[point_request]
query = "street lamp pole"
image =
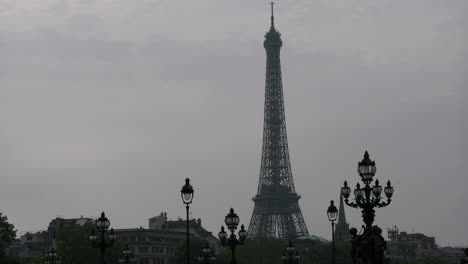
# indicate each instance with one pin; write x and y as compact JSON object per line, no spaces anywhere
{"x":332,"y":214}
{"x":232,"y":221}
{"x":368,"y":197}
{"x":102,"y":224}
{"x":51,"y":257}
{"x":370,"y":246}
{"x":187,"y":197}
{"x":127,"y":256}
{"x":465,"y":259}
{"x":207,"y":256}
{"x":292,"y":256}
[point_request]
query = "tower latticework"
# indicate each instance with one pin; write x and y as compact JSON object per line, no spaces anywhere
{"x":276,"y":213}
{"x":342,"y":227}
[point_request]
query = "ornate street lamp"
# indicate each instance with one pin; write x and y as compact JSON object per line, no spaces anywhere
{"x":104,"y":239}
{"x":127,"y":256}
{"x":465,"y":260}
{"x":332,"y":214}
{"x":51,"y":257}
{"x":291,"y":256}
{"x":187,"y":197}
{"x":207,"y":256}
{"x":232,"y":221}
{"x":368,"y":197}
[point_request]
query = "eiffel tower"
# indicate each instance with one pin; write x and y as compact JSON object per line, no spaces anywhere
{"x":276,"y":213}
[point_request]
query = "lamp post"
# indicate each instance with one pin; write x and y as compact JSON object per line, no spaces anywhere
{"x":465,"y":260}
{"x":368,"y":197}
{"x":207,"y":256}
{"x":292,"y":256}
{"x":104,"y":239}
{"x":51,"y":257}
{"x":332,"y":214}
{"x":187,"y":197}
{"x":127,"y":256}
{"x":232,"y":221}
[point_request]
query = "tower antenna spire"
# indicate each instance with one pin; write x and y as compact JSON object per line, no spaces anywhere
{"x":272,"y":17}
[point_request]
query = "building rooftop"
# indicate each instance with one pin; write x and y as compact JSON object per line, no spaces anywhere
{"x":312,"y":238}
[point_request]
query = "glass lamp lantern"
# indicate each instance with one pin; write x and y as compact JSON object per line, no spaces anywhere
{"x":242,"y":234}
{"x":207,"y":250}
{"x":332,"y":211}
{"x":187,"y":192}
{"x":297,"y":257}
{"x":388,"y":190}
{"x":102,"y":223}
{"x":290,"y":248}
{"x":358,"y":192}
{"x":126,"y":251}
{"x":377,"y":189}
{"x":222,"y":235}
{"x":345,"y":190}
{"x":93,"y":236}
{"x":284,"y":257}
{"x":366,"y":168}
{"x":232,"y":220}
{"x":111,"y":235}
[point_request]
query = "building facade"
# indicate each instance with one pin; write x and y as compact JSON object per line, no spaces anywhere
{"x":29,"y":245}
{"x":33,"y":245}
{"x":163,"y":237}
{"x":151,"y":246}
{"x":412,"y":246}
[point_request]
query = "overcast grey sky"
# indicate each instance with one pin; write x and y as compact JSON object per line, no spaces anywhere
{"x":110,"y":105}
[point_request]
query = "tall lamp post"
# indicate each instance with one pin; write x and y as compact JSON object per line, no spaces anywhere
{"x":232,"y":221}
{"x":187,"y":197}
{"x":465,"y":260}
{"x":51,"y":257}
{"x":207,"y":256}
{"x":332,"y":214}
{"x":368,"y":197}
{"x":292,"y":256}
{"x":127,"y":256}
{"x":104,"y":239}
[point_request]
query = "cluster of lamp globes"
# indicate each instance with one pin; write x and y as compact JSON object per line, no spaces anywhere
{"x":232,"y":221}
{"x":102,"y":224}
{"x":127,"y":256}
{"x":51,"y":257}
{"x":207,"y":255}
{"x":292,"y":255}
{"x":367,"y":170}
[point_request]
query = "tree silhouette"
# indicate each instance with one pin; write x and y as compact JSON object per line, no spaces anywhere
{"x":7,"y":234}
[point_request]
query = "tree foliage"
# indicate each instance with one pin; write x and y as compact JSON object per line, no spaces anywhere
{"x":7,"y":233}
{"x":74,"y":247}
{"x":259,"y":251}
{"x":268,"y":251}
